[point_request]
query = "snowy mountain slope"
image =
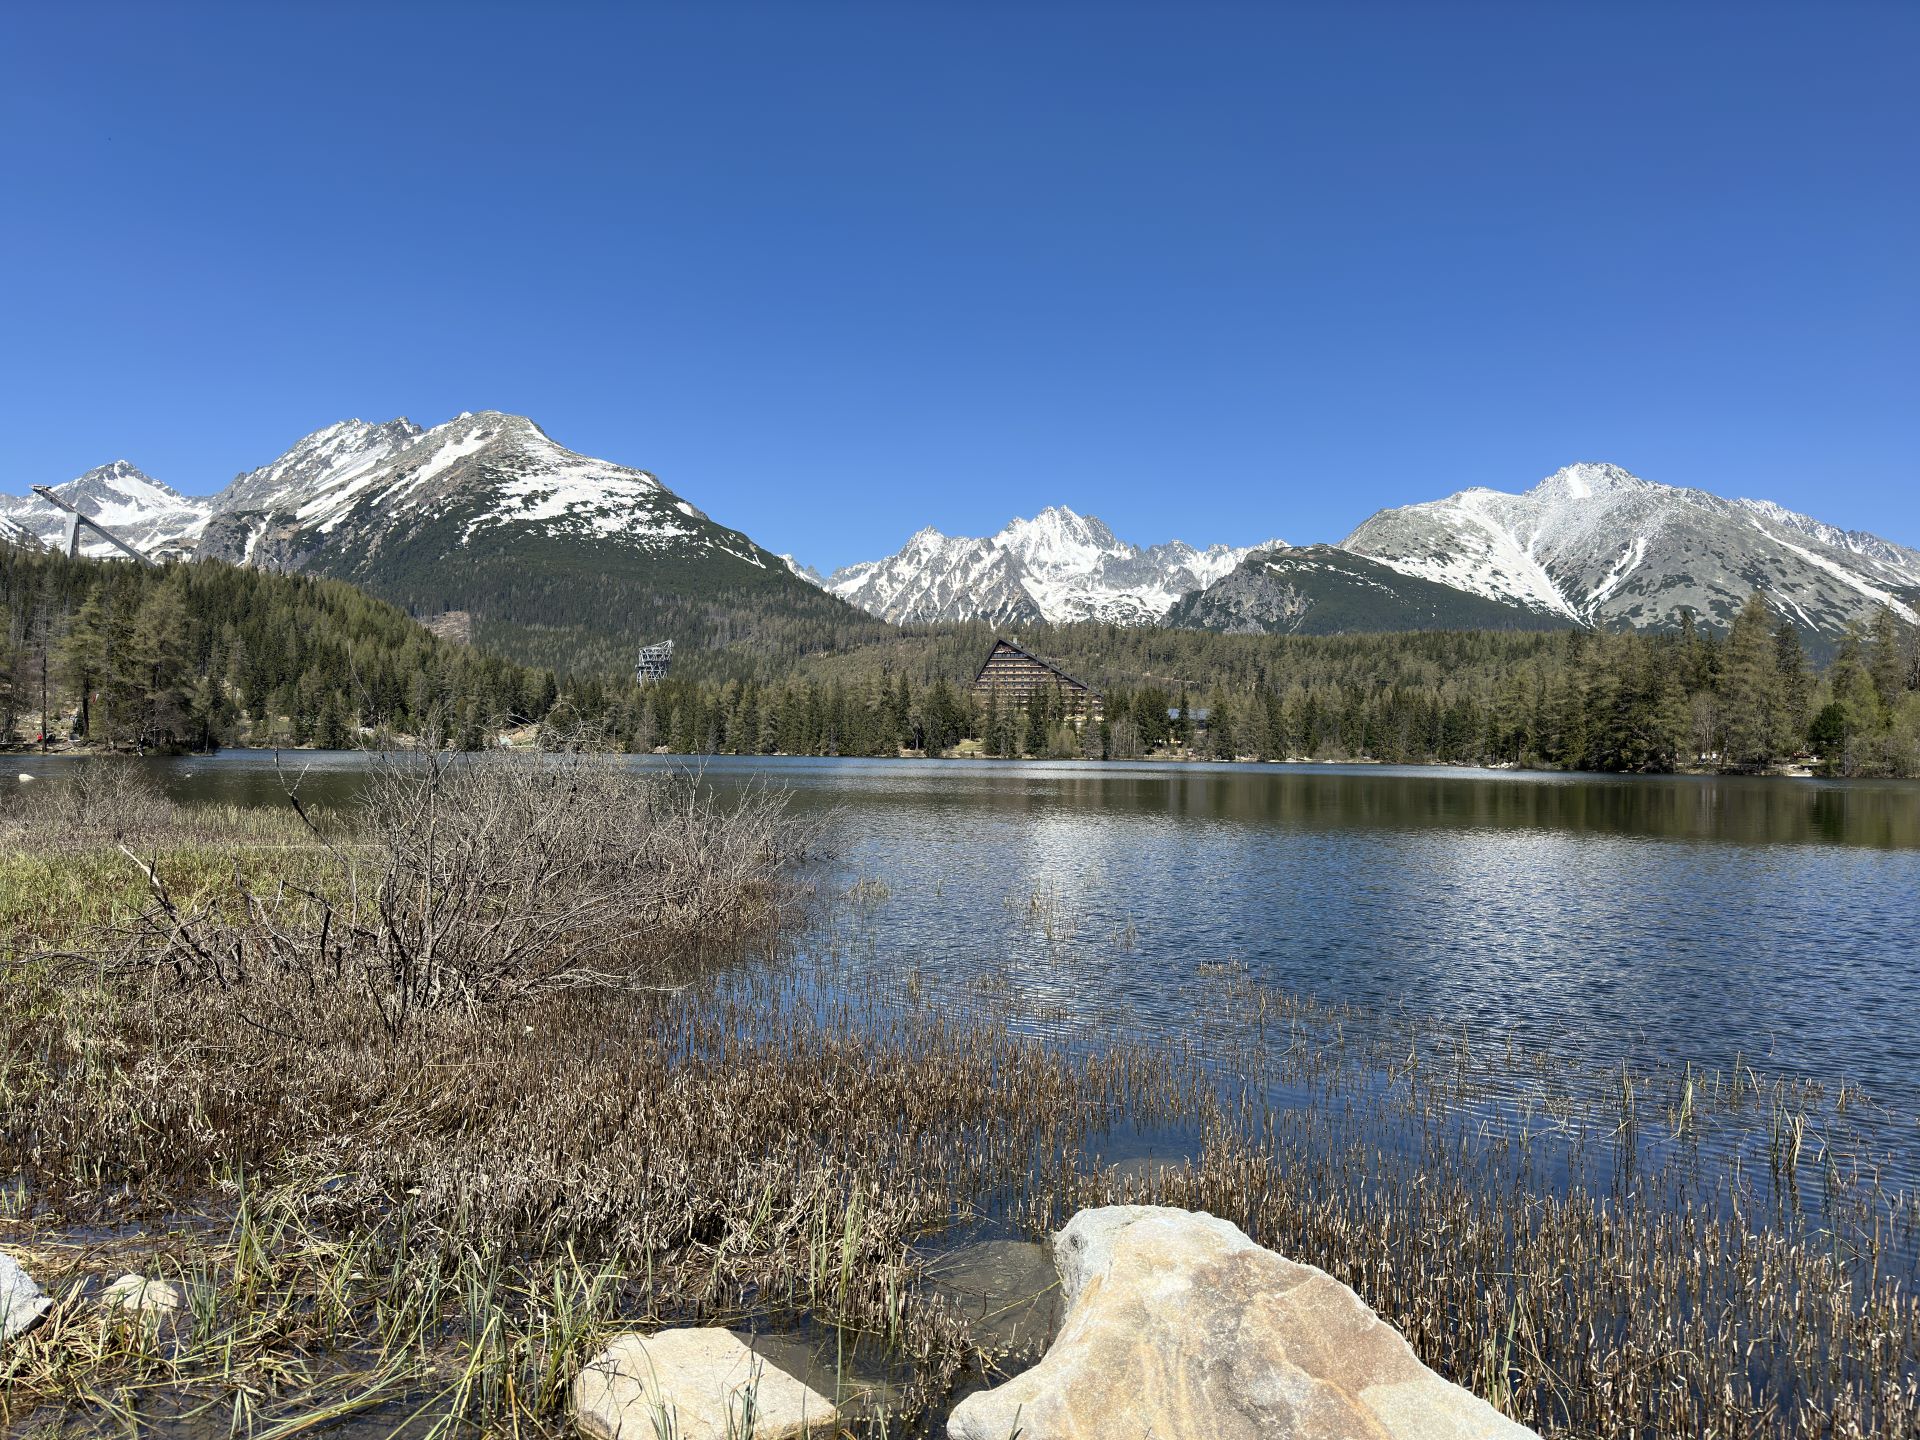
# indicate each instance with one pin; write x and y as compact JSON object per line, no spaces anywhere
{"x":1325,"y":590}
{"x":1597,"y":545}
{"x":562,"y":558}
{"x":1058,"y":566}
{"x":151,"y":516}
{"x":12,"y":532}
{"x":354,"y":491}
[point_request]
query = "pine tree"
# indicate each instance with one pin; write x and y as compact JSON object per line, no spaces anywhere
{"x":1886,"y":662}
{"x":1750,"y":693}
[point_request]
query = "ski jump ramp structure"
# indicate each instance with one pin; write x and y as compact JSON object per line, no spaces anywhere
{"x":75,"y":520}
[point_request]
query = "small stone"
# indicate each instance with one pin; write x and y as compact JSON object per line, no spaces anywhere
{"x":693,"y":1385}
{"x":23,"y":1304}
{"x":1179,"y":1327}
{"x":156,"y":1301}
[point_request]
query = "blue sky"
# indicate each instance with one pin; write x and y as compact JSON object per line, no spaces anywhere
{"x":835,"y":271}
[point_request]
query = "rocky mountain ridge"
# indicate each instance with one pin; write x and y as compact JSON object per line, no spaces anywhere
{"x":1058,"y":566}
{"x":485,"y":510}
{"x":1597,"y":545}
{"x":151,"y":516}
{"x":1325,"y":590}
{"x":562,"y":559}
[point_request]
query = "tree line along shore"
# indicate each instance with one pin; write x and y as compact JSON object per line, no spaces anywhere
{"x":193,"y":657}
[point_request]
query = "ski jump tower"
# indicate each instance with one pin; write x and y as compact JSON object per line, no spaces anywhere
{"x":654,"y":662}
{"x":75,"y":520}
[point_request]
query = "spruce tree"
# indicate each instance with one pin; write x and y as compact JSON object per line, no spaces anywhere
{"x":1750,"y":698}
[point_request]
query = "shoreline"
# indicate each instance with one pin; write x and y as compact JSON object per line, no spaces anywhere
{"x":1793,"y":772}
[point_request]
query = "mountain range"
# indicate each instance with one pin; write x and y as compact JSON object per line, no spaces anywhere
{"x":562,"y":559}
{"x":1055,"y":568}
{"x":1598,"y":546}
{"x":566,"y":560}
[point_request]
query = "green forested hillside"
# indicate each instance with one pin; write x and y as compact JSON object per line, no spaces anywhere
{"x":193,"y":655}
{"x":585,"y":604}
{"x":206,"y":653}
{"x":1324,"y":590}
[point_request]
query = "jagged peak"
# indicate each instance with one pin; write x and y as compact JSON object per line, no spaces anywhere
{"x":115,"y":470}
{"x":356,"y":429}
{"x":119,"y":475}
{"x":470,"y":420}
{"x":1057,"y":533}
{"x":1587,"y":479}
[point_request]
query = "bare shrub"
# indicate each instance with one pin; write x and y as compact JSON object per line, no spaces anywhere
{"x":93,"y":802}
{"x":466,"y":880}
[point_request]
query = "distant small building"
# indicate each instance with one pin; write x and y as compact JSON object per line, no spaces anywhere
{"x":654,"y":662}
{"x":1012,"y":676}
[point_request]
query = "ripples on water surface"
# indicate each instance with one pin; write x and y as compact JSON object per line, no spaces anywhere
{"x":1664,"y":920}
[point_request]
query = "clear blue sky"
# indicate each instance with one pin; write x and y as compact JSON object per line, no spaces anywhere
{"x":835,"y":271}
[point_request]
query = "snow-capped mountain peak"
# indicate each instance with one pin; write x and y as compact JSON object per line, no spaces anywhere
{"x":1596,"y":544}
{"x":1587,"y":481}
{"x":147,"y":514}
{"x":482,"y":472}
{"x":322,"y":472}
{"x":1057,"y":566}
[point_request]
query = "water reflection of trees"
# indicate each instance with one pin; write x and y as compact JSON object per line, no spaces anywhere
{"x":1742,"y":811}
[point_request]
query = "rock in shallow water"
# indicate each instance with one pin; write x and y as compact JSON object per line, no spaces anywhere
{"x":155,"y":1301}
{"x":693,"y":1385}
{"x":23,"y":1304}
{"x":1178,"y":1327}
{"x":1006,"y":1291}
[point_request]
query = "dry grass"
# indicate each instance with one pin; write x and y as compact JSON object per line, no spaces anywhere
{"x":457,"y":881}
{"x":568,"y":1125}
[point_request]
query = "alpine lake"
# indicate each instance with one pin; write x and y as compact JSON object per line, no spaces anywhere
{"x":1663,"y":996}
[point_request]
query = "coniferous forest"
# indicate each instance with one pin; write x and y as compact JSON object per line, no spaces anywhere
{"x":1572,"y":699}
{"x":195,"y":656}
{"x":200,"y":655}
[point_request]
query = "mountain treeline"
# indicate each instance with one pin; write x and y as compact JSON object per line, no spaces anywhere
{"x":192,"y":656}
{"x":1568,"y":699}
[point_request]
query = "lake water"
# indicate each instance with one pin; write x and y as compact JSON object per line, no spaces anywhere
{"x":1665,"y":920}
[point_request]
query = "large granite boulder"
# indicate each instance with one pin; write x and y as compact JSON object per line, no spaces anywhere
{"x":694,"y":1385}
{"x":23,"y":1304}
{"x":1178,"y":1327}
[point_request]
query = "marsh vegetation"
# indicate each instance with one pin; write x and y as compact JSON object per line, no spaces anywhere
{"x":422,"y":1097}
